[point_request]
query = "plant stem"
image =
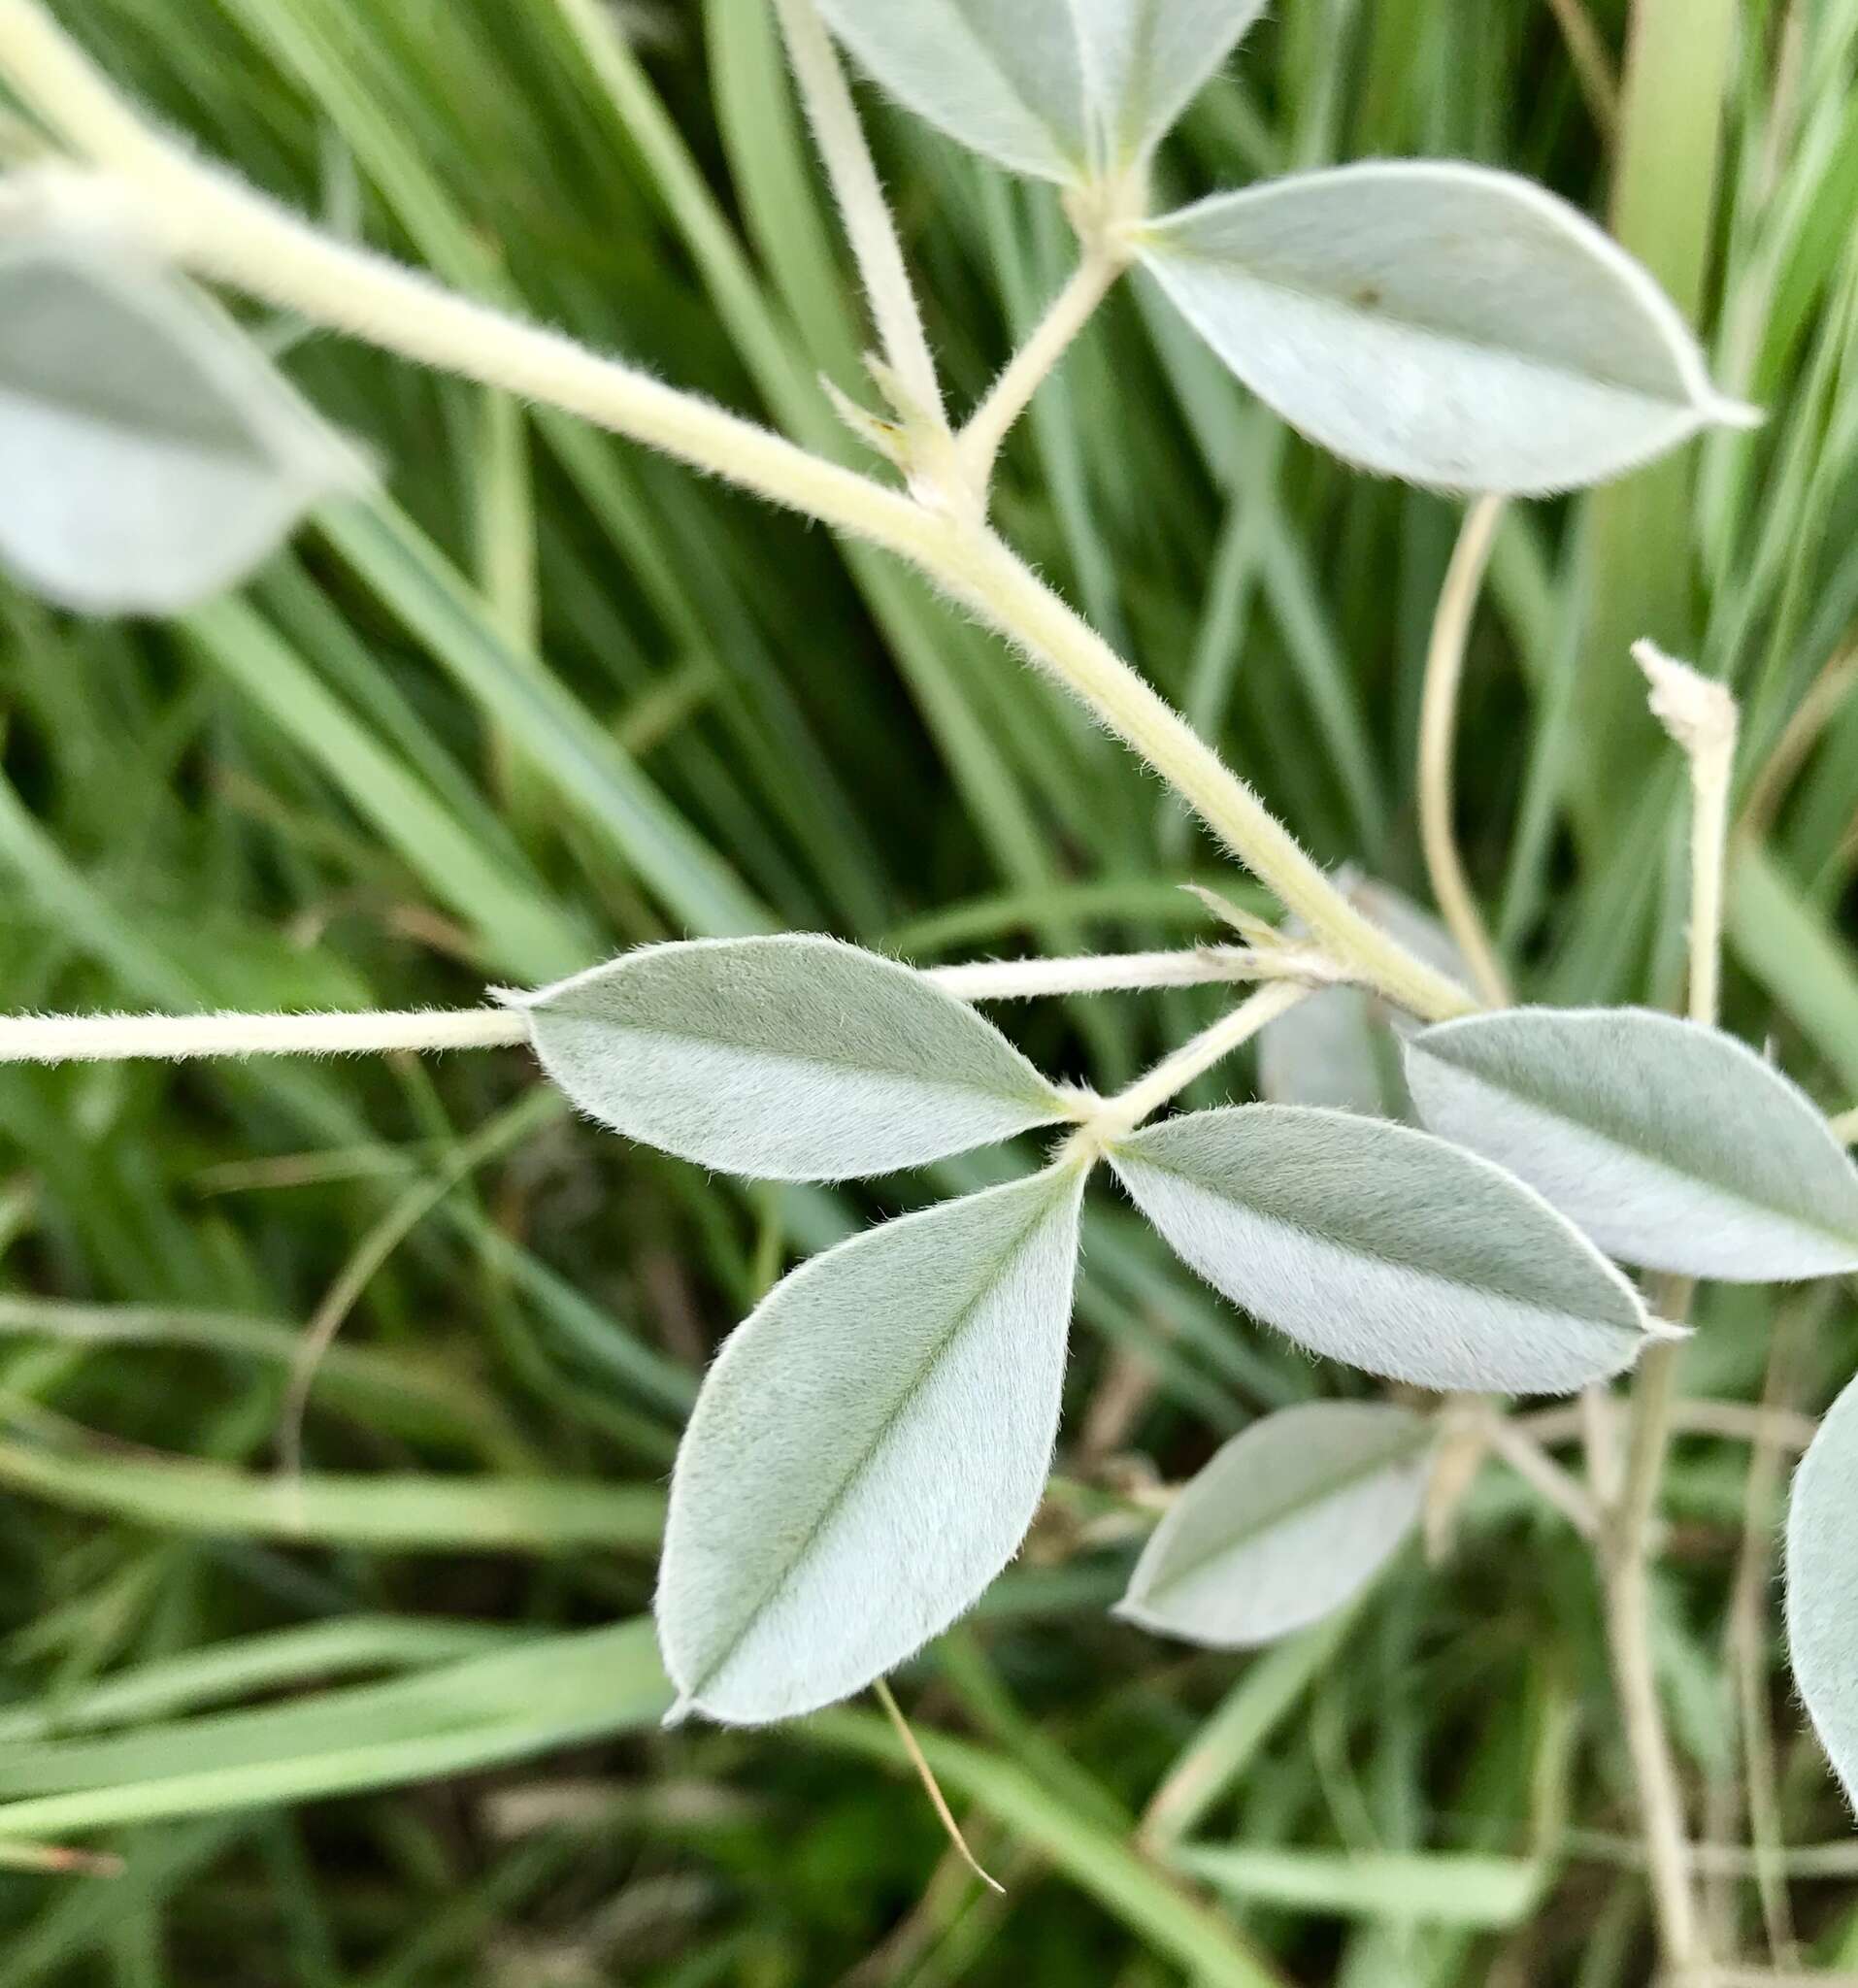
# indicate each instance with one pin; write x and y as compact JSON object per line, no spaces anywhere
{"x":1123,"y":1112}
{"x":173,"y":1038}
{"x":1204,"y":965}
{"x":228,"y":232}
{"x":862,"y":206}
{"x":1701,"y":716}
{"x":1592,"y":65}
{"x":1438,"y":724}
{"x":987,"y":427}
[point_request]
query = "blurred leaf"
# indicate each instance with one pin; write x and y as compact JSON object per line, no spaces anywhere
{"x":1289,"y":1521}
{"x":1822,"y":1585}
{"x":1065,"y":90}
{"x":150,"y":457}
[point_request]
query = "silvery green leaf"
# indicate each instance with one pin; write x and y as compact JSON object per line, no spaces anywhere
{"x":1672,"y":1144}
{"x":150,"y":455}
{"x":1385,"y":1247}
{"x":868,"y":1452}
{"x":1067,"y":89}
{"x":1822,"y":1585}
{"x":791,"y":1058}
{"x":1442,"y":322}
{"x":1290,"y":1520}
{"x":1340,"y":1048}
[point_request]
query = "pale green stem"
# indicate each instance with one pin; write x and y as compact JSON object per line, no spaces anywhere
{"x":1701,"y":716}
{"x":226,"y":231}
{"x":1124,"y":1112}
{"x":978,"y":442}
{"x":854,"y":177}
{"x":175,"y":1038}
{"x":1438,"y":725}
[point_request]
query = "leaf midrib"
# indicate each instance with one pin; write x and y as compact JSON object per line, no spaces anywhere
{"x":1787,"y":1216}
{"x":861,"y":1463}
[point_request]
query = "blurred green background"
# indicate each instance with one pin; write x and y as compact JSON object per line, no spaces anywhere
{"x":547,"y":698}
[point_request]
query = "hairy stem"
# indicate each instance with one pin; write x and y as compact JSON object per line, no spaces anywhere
{"x":862,"y":206}
{"x":173,"y":1038}
{"x":1123,"y":1112}
{"x":225,"y":231}
{"x":1438,"y":724}
{"x":1010,"y":394}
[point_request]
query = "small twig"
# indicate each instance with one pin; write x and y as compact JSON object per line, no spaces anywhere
{"x":173,"y":1038}
{"x":1825,"y":695}
{"x":1438,"y":722}
{"x":980,"y":441}
{"x":927,"y":1775}
{"x":1123,"y":1112}
{"x":1535,"y":1467}
{"x":1737,"y":1421}
{"x":862,"y":206}
{"x":1701,"y":716}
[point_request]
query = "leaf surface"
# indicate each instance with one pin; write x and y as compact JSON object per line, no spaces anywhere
{"x":1291,"y":1519}
{"x":789,"y":1058}
{"x":1065,"y":89}
{"x":1456,"y":326}
{"x":868,"y":1452}
{"x":1672,"y":1144}
{"x":1385,"y":1247}
{"x":1822,"y":1585}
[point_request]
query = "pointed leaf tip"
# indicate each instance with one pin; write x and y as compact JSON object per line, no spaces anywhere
{"x":1458,"y":327}
{"x":1385,"y":1247}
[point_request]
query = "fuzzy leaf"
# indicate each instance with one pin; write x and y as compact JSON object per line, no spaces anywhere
{"x":150,"y":455}
{"x":789,"y":1058}
{"x":1822,"y":1585}
{"x":868,"y":1452}
{"x":1341,"y":1046}
{"x":1290,"y":1520}
{"x":1671,"y":1145}
{"x":1067,"y":89}
{"x":1442,"y":322}
{"x":1387,"y":1248}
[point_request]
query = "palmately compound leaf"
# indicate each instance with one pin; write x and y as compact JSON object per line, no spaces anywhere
{"x":1822,"y":1585}
{"x":1385,"y":1247}
{"x":1068,"y":89}
{"x":1672,"y":1144}
{"x":151,"y":456}
{"x":789,"y":1058}
{"x":868,"y":1452}
{"x":1290,"y":1520}
{"x":1341,"y":1046}
{"x":1456,"y":326}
